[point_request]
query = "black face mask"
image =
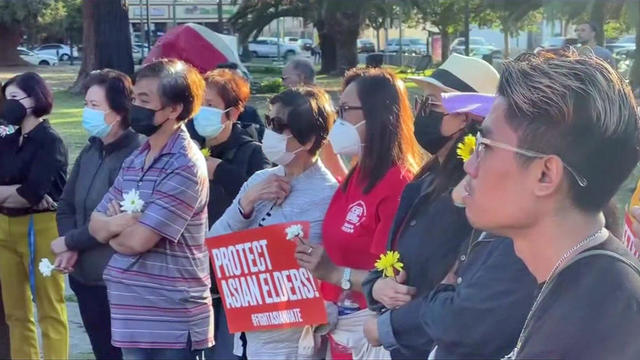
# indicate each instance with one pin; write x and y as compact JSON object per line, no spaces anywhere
{"x":142,"y":120}
{"x":428,"y":133}
{"x":14,"y":112}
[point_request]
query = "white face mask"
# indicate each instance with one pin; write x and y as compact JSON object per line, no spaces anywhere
{"x":344,"y":138}
{"x":274,"y":147}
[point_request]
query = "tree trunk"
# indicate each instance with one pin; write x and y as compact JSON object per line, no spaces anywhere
{"x":106,"y":39}
{"x":507,"y":46}
{"x":9,"y":40}
{"x":378,"y":39}
{"x":597,"y":18}
{"x":346,"y":34}
{"x":328,"y":53}
{"x":445,"y":41}
{"x":634,"y":76}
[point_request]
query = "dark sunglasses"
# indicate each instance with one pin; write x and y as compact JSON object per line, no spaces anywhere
{"x":422,"y":105}
{"x":275,"y":123}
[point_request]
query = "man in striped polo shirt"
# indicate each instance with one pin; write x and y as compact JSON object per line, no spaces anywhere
{"x":158,"y":281}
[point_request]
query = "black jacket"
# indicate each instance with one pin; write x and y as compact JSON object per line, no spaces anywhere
{"x":241,"y":156}
{"x":93,"y":173}
{"x":428,"y":233}
{"x":478,"y":318}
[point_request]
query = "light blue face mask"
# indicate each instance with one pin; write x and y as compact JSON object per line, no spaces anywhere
{"x":93,"y":122}
{"x":208,"y":121}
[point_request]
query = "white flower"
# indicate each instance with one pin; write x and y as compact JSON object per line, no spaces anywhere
{"x":294,"y":231}
{"x":132,"y":202}
{"x":46,"y":267}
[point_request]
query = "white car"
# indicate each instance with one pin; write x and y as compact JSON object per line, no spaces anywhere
{"x":36,"y":59}
{"x":268,"y":47}
{"x":412,"y":46}
{"x":137,"y":55}
{"x":60,"y":51}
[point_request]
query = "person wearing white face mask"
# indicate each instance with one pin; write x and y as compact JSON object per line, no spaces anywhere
{"x":106,"y":120}
{"x":376,"y":124}
{"x":299,"y":189}
{"x":232,"y":157}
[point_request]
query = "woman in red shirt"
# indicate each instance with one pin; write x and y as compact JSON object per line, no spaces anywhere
{"x":375,"y":124}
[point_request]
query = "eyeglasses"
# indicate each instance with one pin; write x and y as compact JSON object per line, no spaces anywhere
{"x":422,"y":105}
{"x":344,"y":108}
{"x":275,"y":123}
{"x":482,"y":143}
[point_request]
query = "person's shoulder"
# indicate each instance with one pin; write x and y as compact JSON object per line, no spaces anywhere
{"x":602,"y":273}
{"x":394,"y":181}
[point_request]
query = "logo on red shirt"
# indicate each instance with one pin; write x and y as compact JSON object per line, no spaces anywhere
{"x":355,"y":215}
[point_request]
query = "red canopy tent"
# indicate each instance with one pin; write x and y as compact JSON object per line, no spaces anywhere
{"x":197,"y":45}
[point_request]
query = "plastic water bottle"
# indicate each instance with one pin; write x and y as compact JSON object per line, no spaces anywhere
{"x":347,"y":303}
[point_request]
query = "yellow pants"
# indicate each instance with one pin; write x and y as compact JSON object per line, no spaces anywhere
{"x":16,"y":293}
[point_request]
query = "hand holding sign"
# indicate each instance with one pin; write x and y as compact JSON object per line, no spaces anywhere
{"x":261,"y":284}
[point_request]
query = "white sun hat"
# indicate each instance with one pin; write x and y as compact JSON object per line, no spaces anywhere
{"x":461,"y":74}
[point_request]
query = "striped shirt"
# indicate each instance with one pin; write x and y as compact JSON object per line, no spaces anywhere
{"x":160,"y":297}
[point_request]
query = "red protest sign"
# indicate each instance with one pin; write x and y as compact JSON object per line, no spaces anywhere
{"x":261,"y":284}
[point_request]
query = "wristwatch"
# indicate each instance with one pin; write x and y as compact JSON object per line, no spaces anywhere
{"x":345,"y":283}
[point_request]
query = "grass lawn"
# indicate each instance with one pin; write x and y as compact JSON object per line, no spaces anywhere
{"x":67,"y":113}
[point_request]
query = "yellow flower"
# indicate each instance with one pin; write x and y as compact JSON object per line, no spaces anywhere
{"x":466,"y":147}
{"x":206,"y":152}
{"x":388,"y":262}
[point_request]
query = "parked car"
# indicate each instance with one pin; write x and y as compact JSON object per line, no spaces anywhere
{"x":366,"y":46}
{"x":268,"y":47}
{"x":624,"y":60}
{"x":137,"y":55}
{"x":291,"y":40}
{"x":478,"y":47}
{"x":412,"y":46}
{"x":60,"y":51}
{"x":625,"y":42}
{"x":36,"y":59}
{"x":555,"y":45}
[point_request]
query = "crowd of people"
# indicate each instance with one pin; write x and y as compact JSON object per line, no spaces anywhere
{"x":493,"y":189}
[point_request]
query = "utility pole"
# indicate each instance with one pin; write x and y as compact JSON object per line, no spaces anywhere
{"x":466,"y":28}
{"x":175,"y":22}
{"x":148,"y":27}
{"x":221,"y":26}
{"x":142,"y":32}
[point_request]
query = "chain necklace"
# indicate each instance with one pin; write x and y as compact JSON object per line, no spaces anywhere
{"x":595,"y":236}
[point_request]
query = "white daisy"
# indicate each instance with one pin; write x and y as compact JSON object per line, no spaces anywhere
{"x":46,"y":267}
{"x":294,"y":231}
{"x":132,"y":202}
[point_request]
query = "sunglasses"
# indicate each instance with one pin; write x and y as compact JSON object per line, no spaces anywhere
{"x":482,"y":143}
{"x":422,"y":105}
{"x":275,"y":123}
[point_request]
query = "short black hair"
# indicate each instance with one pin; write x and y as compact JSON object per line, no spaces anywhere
{"x":36,"y":88}
{"x":310,"y":114}
{"x":180,"y":83}
{"x":118,"y":89}
{"x":579,"y":109}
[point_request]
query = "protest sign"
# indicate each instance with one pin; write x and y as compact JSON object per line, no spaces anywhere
{"x":261,"y":284}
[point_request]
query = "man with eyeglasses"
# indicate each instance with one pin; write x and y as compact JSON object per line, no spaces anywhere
{"x":559,"y":141}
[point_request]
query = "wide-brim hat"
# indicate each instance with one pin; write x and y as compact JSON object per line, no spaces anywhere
{"x":461,"y":74}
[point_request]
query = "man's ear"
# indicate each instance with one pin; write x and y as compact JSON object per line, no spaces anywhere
{"x":548,"y":173}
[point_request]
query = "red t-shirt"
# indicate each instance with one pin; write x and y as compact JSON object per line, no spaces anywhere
{"x":356,"y":227}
